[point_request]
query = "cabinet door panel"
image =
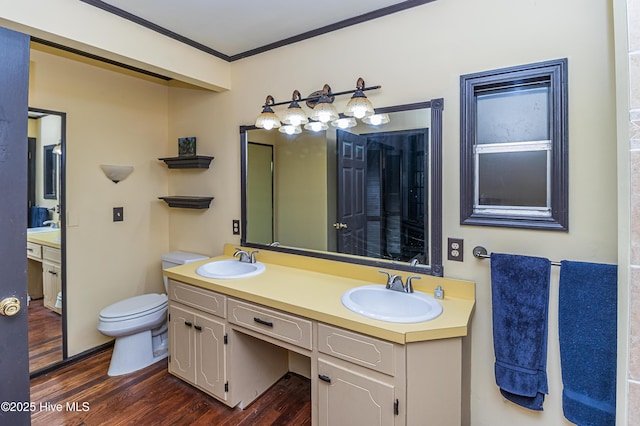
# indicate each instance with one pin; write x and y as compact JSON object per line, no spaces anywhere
{"x":182,"y":359}
{"x":51,"y":285}
{"x":210,"y":355}
{"x":352,"y":399}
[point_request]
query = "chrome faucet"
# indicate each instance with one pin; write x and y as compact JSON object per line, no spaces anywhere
{"x":51,"y":223}
{"x":394,"y":282}
{"x":246,"y":257}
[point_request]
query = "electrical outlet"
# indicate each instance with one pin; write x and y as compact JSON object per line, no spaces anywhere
{"x":455,"y":249}
{"x":236,"y":227}
{"x":118,"y":214}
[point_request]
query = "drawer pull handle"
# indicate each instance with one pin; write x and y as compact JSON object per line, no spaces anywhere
{"x":197,"y":327}
{"x":53,"y":273}
{"x":188,"y":324}
{"x":29,"y":249}
{"x":263,"y":322}
{"x":324,"y":378}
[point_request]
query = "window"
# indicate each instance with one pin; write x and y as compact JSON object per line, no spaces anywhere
{"x":514,"y":147}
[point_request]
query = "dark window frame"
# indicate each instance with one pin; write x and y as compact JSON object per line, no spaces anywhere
{"x":555,"y":71}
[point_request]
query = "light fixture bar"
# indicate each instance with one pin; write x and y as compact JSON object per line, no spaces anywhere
{"x":316,"y":97}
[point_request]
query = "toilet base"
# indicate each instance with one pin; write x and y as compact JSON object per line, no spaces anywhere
{"x":134,"y":352}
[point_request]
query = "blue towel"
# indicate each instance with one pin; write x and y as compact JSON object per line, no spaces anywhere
{"x":520,"y":297}
{"x":38,"y":216}
{"x":587,"y":327}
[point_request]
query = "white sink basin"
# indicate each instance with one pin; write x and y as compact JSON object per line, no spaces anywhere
{"x":377,"y":302}
{"x":230,"y":268}
{"x":41,"y":229}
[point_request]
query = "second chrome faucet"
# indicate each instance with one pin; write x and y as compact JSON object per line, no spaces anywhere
{"x":394,"y":282}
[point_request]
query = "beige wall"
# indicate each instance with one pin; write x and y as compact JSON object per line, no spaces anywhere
{"x":111,"y":119}
{"x":417,"y":55}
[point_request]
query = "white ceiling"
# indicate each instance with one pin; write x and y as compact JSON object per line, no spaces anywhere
{"x":233,"y":27}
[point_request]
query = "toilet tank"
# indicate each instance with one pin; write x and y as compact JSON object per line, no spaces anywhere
{"x":175,"y":258}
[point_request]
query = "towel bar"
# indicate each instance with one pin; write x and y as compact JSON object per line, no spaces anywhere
{"x":481,"y":253}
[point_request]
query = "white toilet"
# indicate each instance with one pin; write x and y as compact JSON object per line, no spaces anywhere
{"x":139,"y":324}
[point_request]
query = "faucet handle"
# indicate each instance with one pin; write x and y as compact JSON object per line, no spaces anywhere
{"x":409,"y":287}
{"x":253,"y":255}
{"x":390,"y":277}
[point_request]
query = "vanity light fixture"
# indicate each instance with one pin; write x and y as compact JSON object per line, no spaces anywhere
{"x":290,"y":129}
{"x":295,"y":115}
{"x":344,"y":123}
{"x":268,"y":119}
{"x":376,"y":119}
{"x":359,"y":106}
{"x":116,"y":173}
{"x":316,"y":126}
{"x":323,"y":110}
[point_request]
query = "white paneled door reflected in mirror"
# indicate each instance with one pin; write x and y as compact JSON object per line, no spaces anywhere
{"x":366,"y":194}
{"x":45,"y":238}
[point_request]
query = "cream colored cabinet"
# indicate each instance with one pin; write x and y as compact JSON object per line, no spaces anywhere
{"x":356,"y":379}
{"x":349,"y":398}
{"x":51,"y":277}
{"x":197,"y":349}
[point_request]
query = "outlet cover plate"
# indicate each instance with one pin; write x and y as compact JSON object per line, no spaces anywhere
{"x":118,"y":214}
{"x":455,"y":249}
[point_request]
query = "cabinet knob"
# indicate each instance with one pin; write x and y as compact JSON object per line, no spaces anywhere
{"x":188,"y":323}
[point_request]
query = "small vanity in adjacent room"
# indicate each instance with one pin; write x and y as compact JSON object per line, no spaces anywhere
{"x":234,"y":338}
{"x":44,"y":277}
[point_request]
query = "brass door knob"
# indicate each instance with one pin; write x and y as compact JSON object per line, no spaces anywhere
{"x":9,"y":306}
{"x":338,"y":225}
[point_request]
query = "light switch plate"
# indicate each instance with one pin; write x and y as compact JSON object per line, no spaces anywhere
{"x":118,"y":214}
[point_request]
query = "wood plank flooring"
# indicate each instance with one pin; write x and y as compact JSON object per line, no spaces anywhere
{"x":154,"y":397}
{"x":45,"y":336}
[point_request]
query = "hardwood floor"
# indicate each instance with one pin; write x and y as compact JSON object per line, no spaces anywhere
{"x":45,"y":336}
{"x":154,"y":397}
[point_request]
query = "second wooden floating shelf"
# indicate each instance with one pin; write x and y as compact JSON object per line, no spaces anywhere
{"x":193,"y":162}
{"x":187,"y":202}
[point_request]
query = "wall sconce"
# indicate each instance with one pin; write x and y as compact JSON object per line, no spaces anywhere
{"x":323,"y":111}
{"x":116,"y":173}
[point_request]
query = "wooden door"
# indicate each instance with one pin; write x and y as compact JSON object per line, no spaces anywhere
{"x":14,"y":351}
{"x":352,"y":194}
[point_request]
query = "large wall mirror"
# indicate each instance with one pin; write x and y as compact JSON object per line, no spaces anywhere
{"x":46,"y":255}
{"x":368,"y":194}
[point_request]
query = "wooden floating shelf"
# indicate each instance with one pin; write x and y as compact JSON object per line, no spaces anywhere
{"x":194,"y":162}
{"x":188,"y":202}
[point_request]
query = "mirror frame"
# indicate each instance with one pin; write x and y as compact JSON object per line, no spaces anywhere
{"x":434,"y":196}
{"x":62,"y":202}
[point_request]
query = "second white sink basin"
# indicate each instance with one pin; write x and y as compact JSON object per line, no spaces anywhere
{"x":230,"y":268}
{"x":377,"y":302}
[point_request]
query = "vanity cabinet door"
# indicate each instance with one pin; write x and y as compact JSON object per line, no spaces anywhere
{"x":349,"y":398}
{"x":52,"y":284}
{"x":182,"y":343}
{"x":210,"y":355}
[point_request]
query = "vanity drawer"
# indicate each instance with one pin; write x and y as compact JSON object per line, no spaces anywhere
{"x":34,"y":251}
{"x":363,"y":350}
{"x":199,"y":298}
{"x":288,"y":328}
{"x":51,"y":254}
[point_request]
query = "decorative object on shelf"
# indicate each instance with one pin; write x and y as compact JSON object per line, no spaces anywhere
{"x":192,"y":162}
{"x":116,"y":173}
{"x":187,"y":147}
{"x":323,"y":111}
{"x":187,"y":202}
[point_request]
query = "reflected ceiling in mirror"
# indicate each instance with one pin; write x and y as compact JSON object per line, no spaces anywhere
{"x":367,"y":194}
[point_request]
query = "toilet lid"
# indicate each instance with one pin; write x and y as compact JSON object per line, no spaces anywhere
{"x":134,"y":307}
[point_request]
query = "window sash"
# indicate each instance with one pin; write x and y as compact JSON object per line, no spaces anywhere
{"x":509,"y":147}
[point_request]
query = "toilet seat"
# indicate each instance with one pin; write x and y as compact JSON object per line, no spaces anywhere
{"x":134,"y":307}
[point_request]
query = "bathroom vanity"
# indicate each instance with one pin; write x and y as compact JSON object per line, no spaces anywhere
{"x":234,"y":338}
{"x":44,"y":277}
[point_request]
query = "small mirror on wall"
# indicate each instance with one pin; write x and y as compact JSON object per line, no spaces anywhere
{"x":50,"y":172}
